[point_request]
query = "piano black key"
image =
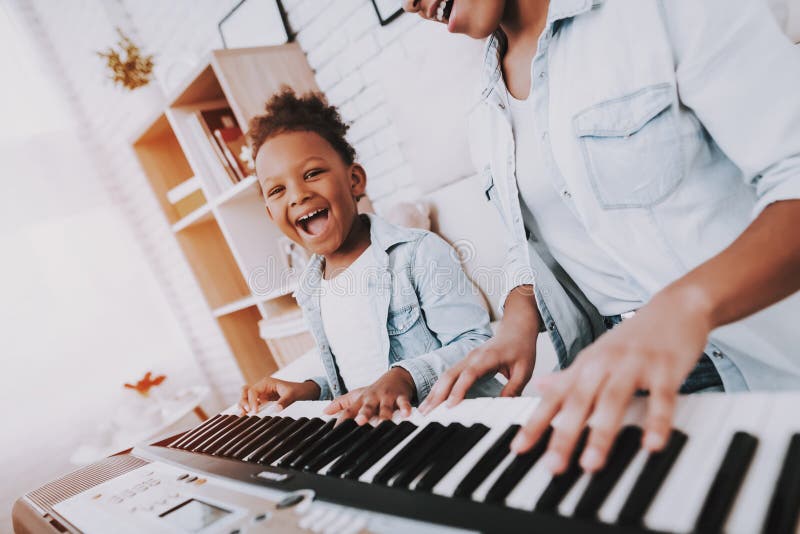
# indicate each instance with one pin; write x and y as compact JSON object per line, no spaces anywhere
{"x":335,"y":449}
{"x":307,"y":443}
{"x":422,"y":458}
{"x":447,"y":459}
{"x":726,"y":483}
{"x":198,"y":437}
{"x":231,"y":434}
{"x":339,"y":430}
{"x":653,"y":473}
{"x":393,"y":466}
{"x":784,"y":506}
{"x":488,"y":462}
{"x":274,"y":427}
{"x":517,"y":469}
{"x":190,"y":434}
{"x":291,"y":440}
{"x":383,"y":447}
{"x":561,"y":484}
{"x":245,"y":437}
{"x":602,"y":482}
{"x":277,"y":437}
{"x":217,"y":432}
{"x":360,"y":447}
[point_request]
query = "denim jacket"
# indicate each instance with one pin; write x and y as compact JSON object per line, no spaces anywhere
{"x":430,"y":314}
{"x":665,"y":127}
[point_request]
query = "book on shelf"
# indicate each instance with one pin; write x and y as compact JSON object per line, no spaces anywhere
{"x":233,"y":143}
{"x":214,"y":171}
{"x":214,"y":119}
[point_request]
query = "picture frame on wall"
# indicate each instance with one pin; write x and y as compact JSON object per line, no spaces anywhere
{"x":387,"y":10}
{"x":255,"y":23}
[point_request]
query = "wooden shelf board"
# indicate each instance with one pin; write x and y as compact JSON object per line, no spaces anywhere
{"x":235,"y":306}
{"x":201,"y":214}
{"x":246,"y":186}
{"x":277,"y":292}
{"x":199,"y":85}
{"x":153,"y":127}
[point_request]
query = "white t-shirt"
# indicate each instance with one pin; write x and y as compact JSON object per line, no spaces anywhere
{"x":547,"y":215}
{"x":350,"y":322}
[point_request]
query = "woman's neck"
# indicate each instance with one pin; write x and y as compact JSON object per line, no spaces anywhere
{"x":524,"y":20}
{"x":522,"y":23}
{"x":357,"y":241}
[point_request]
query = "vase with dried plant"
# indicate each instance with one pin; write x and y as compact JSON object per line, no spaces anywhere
{"x":129,"y":67}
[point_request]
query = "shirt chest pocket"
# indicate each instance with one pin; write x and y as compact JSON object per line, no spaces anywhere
{"x":631,"y":148}
{"x":408,"y":335}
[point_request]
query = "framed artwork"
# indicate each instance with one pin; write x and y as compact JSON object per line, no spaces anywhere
{"x":387,"y":10}
{"x":255,"y":23}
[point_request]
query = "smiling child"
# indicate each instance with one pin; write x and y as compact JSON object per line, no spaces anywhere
{"x":390,"y":308}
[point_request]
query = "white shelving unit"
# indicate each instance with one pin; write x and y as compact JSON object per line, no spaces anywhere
{"x":229,"y":242}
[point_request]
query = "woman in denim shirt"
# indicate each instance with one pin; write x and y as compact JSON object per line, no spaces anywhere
{"x":666,"y":135}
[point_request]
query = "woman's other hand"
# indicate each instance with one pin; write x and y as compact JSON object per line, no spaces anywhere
{"x":511,"y":352}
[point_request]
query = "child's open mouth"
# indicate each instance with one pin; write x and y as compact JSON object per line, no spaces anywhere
{"x":443,"y":10}
{"x":313,"y":223}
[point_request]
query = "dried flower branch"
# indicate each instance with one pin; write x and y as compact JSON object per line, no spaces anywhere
{"x":128,"y":66}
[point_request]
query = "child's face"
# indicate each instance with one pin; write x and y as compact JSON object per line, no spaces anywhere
{"x":310,"y":192}
{"x":476,"y":18}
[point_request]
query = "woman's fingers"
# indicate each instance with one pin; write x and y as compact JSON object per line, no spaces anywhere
{"x":252,"y":399}
{"x":568,"y":423}
{"x":538,"y":422}
{"x":387,"y":407}
{"x":441,"y":389}
{"x":367,"y":411}
{"x":334,"y":407}
{"x":605,"y":421}
{"x":404,"y":405}
{"x":658,"y":421}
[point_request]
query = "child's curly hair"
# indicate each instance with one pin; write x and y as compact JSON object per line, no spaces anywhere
{"x":286,"y":112}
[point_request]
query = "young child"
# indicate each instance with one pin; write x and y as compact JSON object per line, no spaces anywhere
{"x":390,"y":308}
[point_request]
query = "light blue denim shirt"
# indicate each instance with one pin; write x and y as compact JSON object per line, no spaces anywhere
{"x":666,"y":126}
{"x":430,"y":314}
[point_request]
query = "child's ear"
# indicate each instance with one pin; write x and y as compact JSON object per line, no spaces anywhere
{"x":358,"y":181}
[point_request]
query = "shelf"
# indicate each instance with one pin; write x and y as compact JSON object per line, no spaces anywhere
{"x":252,"y":353}
{"x":200,"y":215}
{"x":235,"y":306}
{"x":245,"y":187}
{"x":277,"y":292}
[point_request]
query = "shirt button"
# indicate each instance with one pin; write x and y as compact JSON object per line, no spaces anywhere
{"x":542,"y":75}
{"x":566,"y":194}
{"x":516,"y":218}
{"x":717,"y":353}
{"x":501,"y":105}
{"x":545,"y":137}
{"x":551,"y":325}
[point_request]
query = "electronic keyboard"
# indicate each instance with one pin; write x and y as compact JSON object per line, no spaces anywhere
{"x":731,"y":464}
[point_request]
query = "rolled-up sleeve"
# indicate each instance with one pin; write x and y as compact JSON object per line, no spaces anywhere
{"x":741,"y":77}
{"x":452,"y":310}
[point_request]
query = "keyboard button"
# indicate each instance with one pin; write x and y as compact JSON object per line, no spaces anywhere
{"x":258,"y":455}
{"x":318,"y":448}
{"x":447,"y":458}
{"x":191,"y":434}
{"x":336,"y":449}
{"x":359,"y":448}
{"x":383,"y":446}
{"x":307,"y":443}
{"x":231,"y":434}
{"x":275,"y":424}
{"x":424,"y":457}
{"x":396,"y":464}
{"x":291,"y":440}
{"x":243,"y":438}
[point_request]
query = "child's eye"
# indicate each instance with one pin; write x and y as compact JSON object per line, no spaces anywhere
{"x":312,"y":173}
{"x":275,"y":190}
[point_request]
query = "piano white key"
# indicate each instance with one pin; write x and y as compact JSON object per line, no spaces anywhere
{"x":498,"y":414}
{"x":526,"y":494}
{"x":609,"y":511}
{"x":567,"y":505}
{"x":750,"y":508}
{"x":678,"y":504}
{"x":481,"y":491}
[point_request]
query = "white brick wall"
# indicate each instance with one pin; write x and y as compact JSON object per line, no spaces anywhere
{"x":345,"y":45}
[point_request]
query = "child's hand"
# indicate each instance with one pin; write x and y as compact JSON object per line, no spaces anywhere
{"x":392,"y":391}
{"x":272,"y":389}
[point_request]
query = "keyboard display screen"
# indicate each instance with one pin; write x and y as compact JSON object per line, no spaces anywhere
{"x":194,"y":515}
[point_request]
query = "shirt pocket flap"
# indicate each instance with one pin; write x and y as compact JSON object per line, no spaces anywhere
{"x":624,"y":116}
{"x":401,"y":319}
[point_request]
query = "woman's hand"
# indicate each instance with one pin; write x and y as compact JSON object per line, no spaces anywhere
{"x":272,"y":389}
{"x":511,"y":352}
{"x":392,"y":391}
{"x":654,"y":350}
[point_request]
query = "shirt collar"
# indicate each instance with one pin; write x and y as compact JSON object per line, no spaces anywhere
{"x":383,"y":236}
{"x":496,"y":43}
